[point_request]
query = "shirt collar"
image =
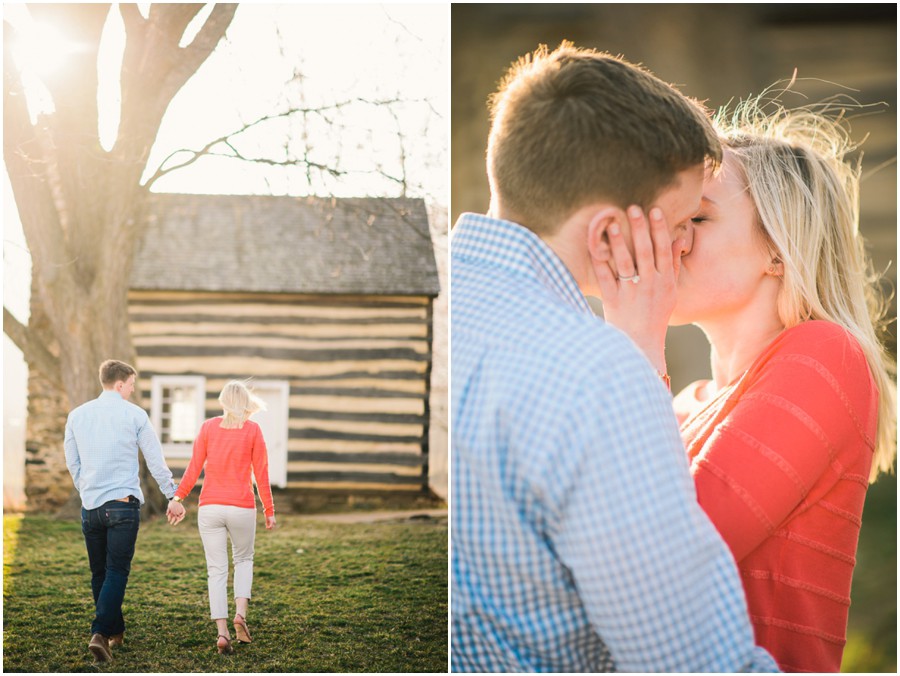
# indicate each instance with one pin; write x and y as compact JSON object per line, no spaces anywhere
{"x":109,"y":394}
{"x":509,"y":245}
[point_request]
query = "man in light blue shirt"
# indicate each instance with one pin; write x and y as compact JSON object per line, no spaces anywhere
{"x":577,"y":541}
{"x":102,"y":441}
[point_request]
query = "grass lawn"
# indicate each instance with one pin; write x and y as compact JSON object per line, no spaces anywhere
{"x":327,"y":597}
{"x":872,"y":631}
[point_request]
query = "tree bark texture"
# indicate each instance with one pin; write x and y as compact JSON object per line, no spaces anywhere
{"x":82,"y":207}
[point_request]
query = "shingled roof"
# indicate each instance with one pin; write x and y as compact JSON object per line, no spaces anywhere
{"x":261,"y":244}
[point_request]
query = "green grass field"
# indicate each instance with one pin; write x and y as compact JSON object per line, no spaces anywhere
{"x":356,"y":597}
{"x":327,"y":597}
{"x":872,"y":631}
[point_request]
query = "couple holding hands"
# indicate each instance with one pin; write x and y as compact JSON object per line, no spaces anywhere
{"x":598,"y":524}
{"x":103,"y":437}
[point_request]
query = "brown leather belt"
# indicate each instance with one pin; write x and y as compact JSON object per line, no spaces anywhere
{"x":128,"y":499}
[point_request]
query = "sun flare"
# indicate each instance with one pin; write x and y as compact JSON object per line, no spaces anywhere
{"x":41,"y":49}
{"x":40,"y":52}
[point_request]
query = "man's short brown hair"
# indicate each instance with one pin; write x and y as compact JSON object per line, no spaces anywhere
{"x":113,"y":371}
{"x":573,"y":126}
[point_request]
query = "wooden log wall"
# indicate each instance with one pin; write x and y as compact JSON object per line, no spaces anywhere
{"x":358,"y":369}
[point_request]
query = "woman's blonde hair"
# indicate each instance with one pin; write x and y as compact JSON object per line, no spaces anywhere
{"x":238,"y":403}
{"x":806,"y":195}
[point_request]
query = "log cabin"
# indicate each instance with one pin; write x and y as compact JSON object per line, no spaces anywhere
{"x":324,"y":305}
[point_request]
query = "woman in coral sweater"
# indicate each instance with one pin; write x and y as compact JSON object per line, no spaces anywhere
{"x":800,"y":414}
{"x":230,"y":447}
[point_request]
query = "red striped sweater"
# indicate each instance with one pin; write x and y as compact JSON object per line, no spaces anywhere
{"x":781,"y":463}
{"x":229,"y":455}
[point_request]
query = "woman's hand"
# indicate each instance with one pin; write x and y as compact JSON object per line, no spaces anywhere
{"x":175,"y":512}
{"x":270,"y":522}
{"x":640,"y":299}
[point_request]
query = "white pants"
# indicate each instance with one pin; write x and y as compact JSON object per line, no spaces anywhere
{"x":217,"y":523}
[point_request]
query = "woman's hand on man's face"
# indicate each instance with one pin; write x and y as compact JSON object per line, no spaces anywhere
{"x":639,"y":297}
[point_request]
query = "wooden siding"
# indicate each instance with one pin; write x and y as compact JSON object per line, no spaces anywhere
{"x":358,"y":369}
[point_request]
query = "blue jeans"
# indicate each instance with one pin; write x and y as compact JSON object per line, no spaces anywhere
{"x":110,"y":532}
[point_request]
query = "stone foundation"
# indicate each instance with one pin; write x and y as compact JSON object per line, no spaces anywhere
{"x":48,"y":484}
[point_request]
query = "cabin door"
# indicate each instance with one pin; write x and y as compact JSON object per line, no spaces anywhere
{"x":274,"y":424}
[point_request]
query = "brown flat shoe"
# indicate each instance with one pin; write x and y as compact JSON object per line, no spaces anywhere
{"x":117,"y":640}
{"x":240,"y":628}
{"x":99,"y":647}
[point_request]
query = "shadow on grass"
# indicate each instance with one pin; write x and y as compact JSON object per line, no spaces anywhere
{"x":327,"y":598}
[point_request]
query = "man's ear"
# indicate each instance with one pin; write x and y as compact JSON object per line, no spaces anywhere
{"x":598,"y":232}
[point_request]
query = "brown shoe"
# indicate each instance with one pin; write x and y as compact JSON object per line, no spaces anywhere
{"x":223,"y":645}
{"x":241,"y":629}
{"x":117,"y":640}
{"x":99,"y":647}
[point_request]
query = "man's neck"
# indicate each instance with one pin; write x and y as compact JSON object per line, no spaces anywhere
{"x":568,"y":241}
{"x":571,"y":252}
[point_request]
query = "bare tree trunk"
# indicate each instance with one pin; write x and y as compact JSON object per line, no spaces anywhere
{"x":82,"y":207}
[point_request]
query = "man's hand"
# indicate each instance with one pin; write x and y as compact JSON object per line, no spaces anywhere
{"x":175,"y":512}
{"x":270,"y":522}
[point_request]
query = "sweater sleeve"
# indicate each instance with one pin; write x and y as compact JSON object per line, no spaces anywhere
{"x":797,"y":412}
{"x":198,"y":460}
{"x":260,"y":460}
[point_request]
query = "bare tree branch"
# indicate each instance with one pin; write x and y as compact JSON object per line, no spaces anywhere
{"x":196,"y":155}
{"x":153,"y":61}
{"x":131,"y":17}
{"x":298,"y":162}
{"x":187,"y":60}
{"x":208,"y":37}
{"x":173,"y":19}
{"x":35,"y":352}
{"x":401,"y":141}
{"x":80,"y":206}
{"x":226,"y":140}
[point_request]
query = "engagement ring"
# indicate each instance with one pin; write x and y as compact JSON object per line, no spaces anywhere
{"x":634,"y":279}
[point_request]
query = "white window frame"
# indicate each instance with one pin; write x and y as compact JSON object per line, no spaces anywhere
{"x":157,"y":383}
{"x":277,"y":464}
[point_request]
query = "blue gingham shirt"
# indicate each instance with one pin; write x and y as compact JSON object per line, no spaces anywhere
{"x":102,"y":441}
{"x":577,"y":540}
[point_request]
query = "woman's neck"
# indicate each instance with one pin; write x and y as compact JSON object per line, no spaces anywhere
{"x":736,"y":343}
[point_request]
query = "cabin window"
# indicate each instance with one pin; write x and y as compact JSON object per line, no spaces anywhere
{"x":177,"y":410}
